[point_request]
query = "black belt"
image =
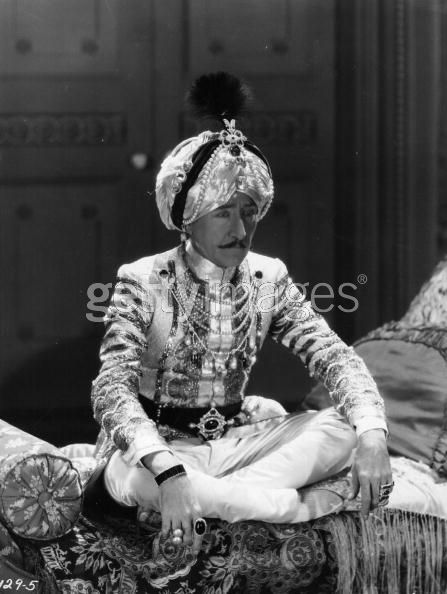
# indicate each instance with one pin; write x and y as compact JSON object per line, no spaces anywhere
{"x":209,"y":423}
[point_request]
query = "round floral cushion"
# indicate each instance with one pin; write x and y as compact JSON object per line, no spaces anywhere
{"x":40,"y":490}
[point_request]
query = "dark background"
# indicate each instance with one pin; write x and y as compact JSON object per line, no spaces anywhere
{"x":350,"y":110}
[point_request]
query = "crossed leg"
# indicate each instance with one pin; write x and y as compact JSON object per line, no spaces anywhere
{"x":254,"y":477}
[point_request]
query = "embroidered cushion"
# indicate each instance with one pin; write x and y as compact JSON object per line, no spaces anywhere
{"x":40,"y":490}
{"x":408,"y":360}
{"x":410,"y":368}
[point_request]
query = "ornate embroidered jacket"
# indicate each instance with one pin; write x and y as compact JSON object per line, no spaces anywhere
{"x":184,"y":332}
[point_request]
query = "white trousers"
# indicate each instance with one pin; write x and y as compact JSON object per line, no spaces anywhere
{"x":252,"y":472}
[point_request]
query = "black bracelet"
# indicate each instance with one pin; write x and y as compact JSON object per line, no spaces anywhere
{"x":167,"y":474}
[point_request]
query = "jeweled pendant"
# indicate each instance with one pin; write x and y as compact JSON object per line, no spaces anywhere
{"x":253,"y":359}
{"x":233,"y":363}
{"x":217,"y":367}
{"x":188,"y":340}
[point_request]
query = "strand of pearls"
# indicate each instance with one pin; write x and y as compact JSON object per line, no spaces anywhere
{"x":262,"y":189}
{"x":205,"y":348}
{"x":196,"y":318}
{"x":244,"y":299}
{"x":203,"y":184}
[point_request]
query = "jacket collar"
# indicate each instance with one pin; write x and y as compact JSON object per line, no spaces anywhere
{"x":204,"y":269}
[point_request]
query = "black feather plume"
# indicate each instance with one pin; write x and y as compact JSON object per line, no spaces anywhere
{"x":219,"y":95}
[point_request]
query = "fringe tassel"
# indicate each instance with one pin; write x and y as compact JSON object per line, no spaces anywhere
{"x":390,"y":552}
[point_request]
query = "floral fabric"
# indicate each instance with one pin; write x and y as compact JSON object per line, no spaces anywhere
{"x":114,"y":555}
{"x":40,"y":490}
{"x":390,"y":551}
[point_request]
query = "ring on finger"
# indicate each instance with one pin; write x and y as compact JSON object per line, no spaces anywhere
{"x":200,"y":526}
{"x":383,"y":501}
{"x":385,"y":489}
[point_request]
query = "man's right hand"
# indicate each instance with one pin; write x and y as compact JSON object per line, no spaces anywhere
{"x":180,"y":509}
{"x":179,"y":506}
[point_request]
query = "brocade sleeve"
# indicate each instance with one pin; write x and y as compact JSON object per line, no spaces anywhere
{"x":301,"y":329}
{"x":115,"y":391}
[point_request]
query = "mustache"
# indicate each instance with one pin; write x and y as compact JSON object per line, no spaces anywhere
{"x":235,"y":244}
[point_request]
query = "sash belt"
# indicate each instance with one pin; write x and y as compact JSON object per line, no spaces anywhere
{"x":209,"y":423}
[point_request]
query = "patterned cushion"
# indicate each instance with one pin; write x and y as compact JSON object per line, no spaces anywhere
{"x":410,"y":368}
{"x":40,"y":491}
{"x":408,"y":360}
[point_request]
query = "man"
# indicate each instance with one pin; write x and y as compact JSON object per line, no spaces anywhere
{"x":183,"y":331}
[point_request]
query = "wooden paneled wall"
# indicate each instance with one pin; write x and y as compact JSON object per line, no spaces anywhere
{"x":347,"y":110}
{"x":92,"y":98}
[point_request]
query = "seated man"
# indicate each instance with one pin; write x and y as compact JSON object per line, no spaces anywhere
{"x":183,"y":331}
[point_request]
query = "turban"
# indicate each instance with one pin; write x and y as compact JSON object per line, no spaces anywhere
{"x":204,"y":172}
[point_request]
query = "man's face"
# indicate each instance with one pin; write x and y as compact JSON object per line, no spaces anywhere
{"x":224,"y":235}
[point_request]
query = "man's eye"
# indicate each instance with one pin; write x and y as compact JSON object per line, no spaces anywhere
{"x":250,"y":213}
{"x":222,"y":213}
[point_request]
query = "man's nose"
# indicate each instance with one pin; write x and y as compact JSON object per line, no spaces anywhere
{"x":239,"y":228}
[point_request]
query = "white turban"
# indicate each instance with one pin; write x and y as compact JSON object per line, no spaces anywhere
{"x":221,"y":177}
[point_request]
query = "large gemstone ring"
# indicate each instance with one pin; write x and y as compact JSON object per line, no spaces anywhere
{"x":384,"y":493}
{"x":200,"y":526}
{"x":385,"y":489}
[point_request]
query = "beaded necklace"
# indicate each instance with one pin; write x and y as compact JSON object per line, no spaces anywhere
{"x":198,"y":314}
{"x":246,"y":316}
{"x":235,"y":331}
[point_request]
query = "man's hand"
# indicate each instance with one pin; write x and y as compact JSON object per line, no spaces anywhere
{"x":178,"y":503}
{"x":180,"y":509}
{"x":371,"y":469}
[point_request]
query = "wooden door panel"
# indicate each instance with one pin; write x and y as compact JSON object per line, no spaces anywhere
{"x":74,"y":108}
{"x":93,"y":88}
{"x":60,"y":246}
{"x":269,"y":37}
{"x":56,"y":37}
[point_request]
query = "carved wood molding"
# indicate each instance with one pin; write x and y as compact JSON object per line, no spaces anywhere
{"x":62,"y":129}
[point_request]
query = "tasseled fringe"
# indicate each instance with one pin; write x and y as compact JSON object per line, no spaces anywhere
{"x":390,"y":552}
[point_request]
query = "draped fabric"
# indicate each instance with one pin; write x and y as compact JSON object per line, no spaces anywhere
{"x":390,"y":552}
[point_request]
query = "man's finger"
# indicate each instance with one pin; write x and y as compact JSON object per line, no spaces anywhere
{"x":199,"y":530}
{"x":375,"y":489}
{"x":197,"y":543}
{"x":165,"y":525}
{"x":187,"y":531}
{"x":365,"y":490}
{"x":355,"y":485}
{"x":177,"y":532}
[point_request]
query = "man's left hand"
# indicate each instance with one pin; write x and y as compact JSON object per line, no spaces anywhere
{"x":371,"y":469}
